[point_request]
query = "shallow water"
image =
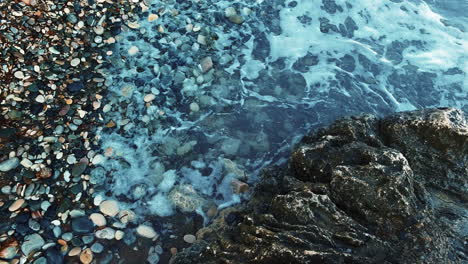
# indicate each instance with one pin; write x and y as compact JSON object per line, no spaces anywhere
{"x":291,"y":66}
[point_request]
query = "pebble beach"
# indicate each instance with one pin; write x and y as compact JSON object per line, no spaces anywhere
{"x":126,"y":126}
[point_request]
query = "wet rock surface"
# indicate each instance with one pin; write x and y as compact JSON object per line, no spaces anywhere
{"x":364,"y":190}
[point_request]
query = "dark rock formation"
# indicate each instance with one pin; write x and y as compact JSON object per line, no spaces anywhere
{"x":363,"y":190}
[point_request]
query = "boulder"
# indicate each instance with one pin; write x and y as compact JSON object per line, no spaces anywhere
{"x":363,"y":190}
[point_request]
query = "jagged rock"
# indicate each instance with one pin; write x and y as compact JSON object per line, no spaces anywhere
{"x":364,"y":190}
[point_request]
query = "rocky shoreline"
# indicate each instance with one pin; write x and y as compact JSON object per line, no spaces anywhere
{"x":364,"y":190}
{"x":67,"y":74}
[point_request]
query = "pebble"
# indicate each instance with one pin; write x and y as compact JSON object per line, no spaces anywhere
{"x":75,"y":62}
{"x":106,"y":233}
{"x":146,"y":231}
{"x":26,"y":163}
{"x":16,"y":205}
{"x":32,"y":243}
{"x":190,"y":239}
{"x":97,"y":247}
{"x":109,"y":207}
{"x":9,"y":164}
{"x":126,"y":216}
{"x":19,"y":75}
{"x":82,"y":225}
{"x":206,"y":64}
{"x":40,"y":99}
{"x":78,"y":169}
{"x":133,"y":50}
{"x":152,"y":17}
{"x":74,"y":252}
{"x":99,"y":30}
{"x":149,"y":97}
{"x":194,"y":107}
{"x":98,"y":219}
{"x":86,"y":256}
{"x":119,"y":234}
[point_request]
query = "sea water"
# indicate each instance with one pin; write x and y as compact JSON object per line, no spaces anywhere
{"x":289,"y":67}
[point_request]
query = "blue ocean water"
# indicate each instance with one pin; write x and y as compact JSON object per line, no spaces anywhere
{"x":206,"y":92}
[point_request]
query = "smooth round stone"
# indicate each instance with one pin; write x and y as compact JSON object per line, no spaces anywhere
{"x":133,"y":50}
{"x":74,"y":252}
{"x":146,"y":231}
{"x":119,"y":235}
{"x":67,"y":236}
{"x":99,"y":30}
{"x":190,"y":239}
{"x":98,"y":219}
{"x":194,"y":107}
{"x":9,"y":164}
{"x":75,"y":62}
{"x":152,"y":17}
{"x":106,"y":233}
{"x":26,"y":163}
{"x":149,"y":97}
{"x":40,"y":99}
{"x":126,"y":216}
{"x":109,"y":207}
{"x":98,"y":159}
{"x":86,"y":256}
{"x":87,"y":239}
{"x":16,"y":205}
{"x":57,"y":231}
{"x":82,"y":225}
{"x":6,"y":189}
{"x":19,"y":75}
{"x":97,"y":247}
{"x":72,"y":18}
{"x":32,"y":243}
{"x":98,"y":39}
{"x":77,"y":213}
{"x":34,"y":225}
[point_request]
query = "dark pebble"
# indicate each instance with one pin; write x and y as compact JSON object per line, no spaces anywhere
{"x":75,"y":87}
{"x":82,"y":225}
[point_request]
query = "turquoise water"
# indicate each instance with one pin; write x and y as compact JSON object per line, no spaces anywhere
{"x":186,"y":129}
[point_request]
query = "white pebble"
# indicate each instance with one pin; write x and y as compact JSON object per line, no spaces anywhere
{"x":109,"y":207}
{"x":75,"y":62}
{"x":190,"y":239}
{"x":40,"y":99}
{"x":98,"y":219}
{"x":16,"y":205}
{"x":194,"y":107}
{"x":19,"y":75}
{"x":146,"y":231}
{"x":149,"y":97}
{"x":133,"y":50}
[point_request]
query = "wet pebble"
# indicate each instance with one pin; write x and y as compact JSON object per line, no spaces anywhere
{"x":97,"y":248}
{"x":75,"y":62}
{"x":190,"y":238}
{"x":32,"y":243}
{"x":146,"y":231}
{"x":106,"y":233}
{"x":86,"y":256}
{"x":98,"y":219}
{"x":74,"y":251}
{"x":82,"y":225}
{"x":109,"y":207}
{"x":9,"y":164}
{"x":16,"y":205}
